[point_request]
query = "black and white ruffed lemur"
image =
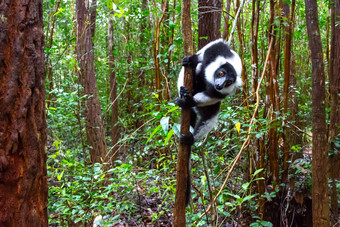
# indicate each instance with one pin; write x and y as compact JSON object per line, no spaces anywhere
{"x":216,"y":75}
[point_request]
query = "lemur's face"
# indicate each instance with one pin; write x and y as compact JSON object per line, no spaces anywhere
{"x":224,"y":76}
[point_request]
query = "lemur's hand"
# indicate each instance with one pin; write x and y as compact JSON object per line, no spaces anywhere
{"x":185,"y":100}
{"x":190,"y":61}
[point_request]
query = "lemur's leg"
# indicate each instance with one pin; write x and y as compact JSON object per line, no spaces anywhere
{"x":207,"y":121}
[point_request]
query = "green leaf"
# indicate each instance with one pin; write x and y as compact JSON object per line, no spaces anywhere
{"x":248,"y":197}
{"x":111,"y":5}
{"x":171,"y":47}
{"x":176,"y":128}
{"x":165,"y":124}
{"x":266,"y":224}
{"x":173,"y":109}
{"x":168,"y":137}
{"x":59,"y":176}
{"x":245,"y":186}
{"x":154,"y":132}
{"x":257,"y":172}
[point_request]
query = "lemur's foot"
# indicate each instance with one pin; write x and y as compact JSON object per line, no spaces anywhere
{"x":187,"y":139}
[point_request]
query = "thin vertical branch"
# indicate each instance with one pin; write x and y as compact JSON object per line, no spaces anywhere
{"x":184,"y":150}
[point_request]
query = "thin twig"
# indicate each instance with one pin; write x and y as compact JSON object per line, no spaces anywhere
{"x":114,"y":154}
{"x":235,"y":21}
{"x":109,"y":107}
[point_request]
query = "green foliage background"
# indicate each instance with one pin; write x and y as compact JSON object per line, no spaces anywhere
{"x":139,"y":186}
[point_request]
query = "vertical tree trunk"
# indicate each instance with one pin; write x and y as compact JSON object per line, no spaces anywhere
{"x":259,"y":148}
{"x":272,"y":96}
{"x":184,"y":150}
{"x":254,"y":50}
{"x":113,"y":84}
{"x":165,"y":44}
{"x":288,"y":29}
{"x":226,"y":21}
{"x":93,"y":114}
{"x":48,"y":63}
{"x":23,"y":180}
{"x":156,"y":45}
{"x":241,"y":46}
{"x":209,"y":21}
{"x":143,"y":43}
{"x":320,"y":157}
{"x":334,"y":85}
{"x":93,"y":16}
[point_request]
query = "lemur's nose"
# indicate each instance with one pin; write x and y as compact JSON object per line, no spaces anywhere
{"x":219,"y":87}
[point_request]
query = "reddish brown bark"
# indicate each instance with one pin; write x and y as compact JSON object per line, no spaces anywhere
{"x":165,"y":44}
{"x":184,"y":150}
{"x":334,"y":87}
{"x":93,"y":114}
{"x":320,"y":157}
{"x":259,"y":144}
{"x":209,"y":21}
{"x":226,"y":21}
{"x":288,"y":29}
{"x":23,"y":180}
{"x":93,"y":16}
{"x":241,"y":47}
{"x":156,"y":45}
{"x":272,"y":100}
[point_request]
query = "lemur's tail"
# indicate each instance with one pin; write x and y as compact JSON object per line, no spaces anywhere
{"x":188,"y":191}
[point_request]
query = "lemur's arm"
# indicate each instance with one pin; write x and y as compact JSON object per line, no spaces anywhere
{"x":200,"y":99}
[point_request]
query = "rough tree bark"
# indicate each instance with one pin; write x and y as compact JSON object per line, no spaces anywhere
{"x":334,"y":87}
{"x":184,"y":150}
{"x":93,"y":114}
{"x":320,"y":199}
{"x":23,"y":180}
{"x":209,"y":21}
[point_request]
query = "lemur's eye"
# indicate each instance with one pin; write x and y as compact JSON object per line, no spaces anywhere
{"x":221,"y":74}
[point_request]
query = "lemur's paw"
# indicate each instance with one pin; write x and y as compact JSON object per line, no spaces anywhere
{"x":187,"y":139}
{"x":185,"y":100}
{"x":186,"y":61}
{"x":184,"y":92}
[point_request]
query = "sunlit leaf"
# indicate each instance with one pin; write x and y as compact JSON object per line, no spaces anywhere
{"x":238,"y":126}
